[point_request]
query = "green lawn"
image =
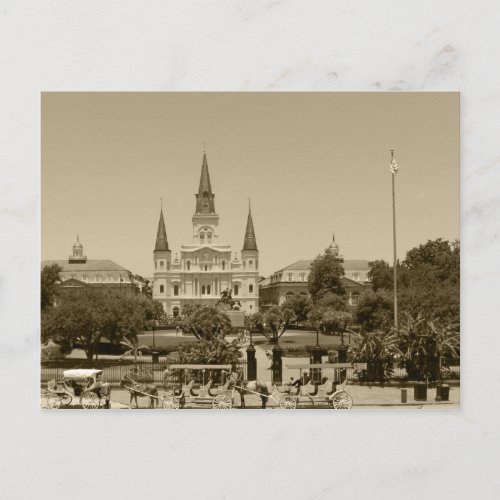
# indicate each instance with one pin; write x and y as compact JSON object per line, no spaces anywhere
{"x":304,"y":337}
{"x":289,"y":338}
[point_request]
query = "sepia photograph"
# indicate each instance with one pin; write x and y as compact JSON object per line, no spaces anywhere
{"x":250,"y":250}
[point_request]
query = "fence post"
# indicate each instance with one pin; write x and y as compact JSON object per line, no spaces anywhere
{"x":316,"y":359}
{"x":251,"y":363}
{"x":277,"y":367}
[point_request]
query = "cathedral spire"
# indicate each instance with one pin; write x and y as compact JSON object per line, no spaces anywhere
{"x":205,"y":198}
{"x":161,"y":235}
{"x":250,"y":242}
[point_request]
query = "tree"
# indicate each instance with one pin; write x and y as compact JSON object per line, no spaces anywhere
{"x":326,"y":276}
{"x":300,"y":306}
{"x":207,"y":323}
{"x":49,"y":279}
{"x":377,"y":350}
{"x":381,"y":275}
{"x":255,"y":322}
{"x":209,"y":326}
{"x":216,"y":350}
{"x":277,"y":318}
{"x":86,"y":317}
{"x":329,"y":314}
{"x":426,"y":346}
{"x":428,"y":282}
{"x":76,"y":320}
{"x":440,"y":254}
{"x":374,"y":311}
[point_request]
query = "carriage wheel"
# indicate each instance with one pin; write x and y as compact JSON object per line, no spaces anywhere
{"x":170,"y":403}
{"x":222,"y":402}
{"x":342,"y":401}
{"x":90,"y":400}
{"x":66,"y":399}
{"x":288,"y":403}
{"x":54,"y":402}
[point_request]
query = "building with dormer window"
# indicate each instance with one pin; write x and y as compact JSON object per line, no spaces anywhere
{"x":206,"y":267}
{"x":79,"y":273}
{"x":292,"y":281}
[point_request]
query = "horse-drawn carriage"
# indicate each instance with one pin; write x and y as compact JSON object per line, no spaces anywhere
{"x":86,"y":384}
{"x":328,"y":393}
{"x":220,"y":397}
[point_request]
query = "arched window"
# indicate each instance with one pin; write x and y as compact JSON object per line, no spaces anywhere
{"x":203,"y":290}
{"x":206,"y":268}
{"x":176,"y":289}
{"x":289,"y":295}
{"x":161,"y":264}
{"x":175,"y":312}
{"x":188,"y":264}
{"x":162,"y":288}
{"x":208,"y":290}
{"x":202,"y":238}
{"x":235,"y":291}
{"x":223,"y":265}
{"x":209,"y":238}
{"x":250,"y":263}
{"x":250,"y":288}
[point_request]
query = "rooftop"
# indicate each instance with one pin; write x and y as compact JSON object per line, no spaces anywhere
{"x":351,"y":265}
{"x":89,"y":265}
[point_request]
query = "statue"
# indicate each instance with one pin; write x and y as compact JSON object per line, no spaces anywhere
{"x":226,"y":302}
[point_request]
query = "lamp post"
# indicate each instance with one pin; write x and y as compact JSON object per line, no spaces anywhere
{"x":316,"y":358}
{"x":251,"y":361}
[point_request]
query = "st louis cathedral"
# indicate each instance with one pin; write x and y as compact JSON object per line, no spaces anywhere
{"x":206,"y":267}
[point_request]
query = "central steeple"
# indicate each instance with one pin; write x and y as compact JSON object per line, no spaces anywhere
{"x":205,"y":219}
{"x":205,"y":198}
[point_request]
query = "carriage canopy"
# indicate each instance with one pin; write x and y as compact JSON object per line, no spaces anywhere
{"x":81,"y":373}
{"x":312,"y":366}
{"x":200,"y":367}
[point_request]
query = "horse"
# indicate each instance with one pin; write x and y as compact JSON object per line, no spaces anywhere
{"x":249,"y":387}
{"x":140,"y":390}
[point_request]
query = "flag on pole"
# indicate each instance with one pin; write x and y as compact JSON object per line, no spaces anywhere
{"x":394,"y":167}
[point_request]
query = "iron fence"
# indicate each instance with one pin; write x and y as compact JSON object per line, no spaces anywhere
{"x":147,"y":371}
{"x":143,"y":371}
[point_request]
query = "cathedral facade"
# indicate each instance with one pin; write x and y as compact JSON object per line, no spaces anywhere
{"x":206,"y":267}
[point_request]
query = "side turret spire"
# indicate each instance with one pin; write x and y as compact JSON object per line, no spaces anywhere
{"x":161,"y":235}
{"x":250,"y":242}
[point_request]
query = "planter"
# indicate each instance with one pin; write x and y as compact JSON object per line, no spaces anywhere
{"x":420,"y":391}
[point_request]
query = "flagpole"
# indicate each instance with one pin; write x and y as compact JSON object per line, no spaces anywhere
{"x":394,"y":244}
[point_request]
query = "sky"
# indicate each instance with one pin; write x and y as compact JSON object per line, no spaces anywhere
{"x":312,"y":163}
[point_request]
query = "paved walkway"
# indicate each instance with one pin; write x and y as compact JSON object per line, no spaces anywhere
{"x":364,"y":397}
